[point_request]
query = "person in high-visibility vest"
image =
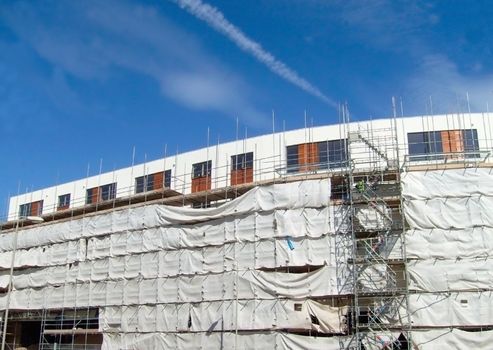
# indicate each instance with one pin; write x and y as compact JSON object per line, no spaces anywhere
{"x":360,"y":186}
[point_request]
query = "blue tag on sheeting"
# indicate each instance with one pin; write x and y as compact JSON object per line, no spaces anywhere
{"x":290,"y":243}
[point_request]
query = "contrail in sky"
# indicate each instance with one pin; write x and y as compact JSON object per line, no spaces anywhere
{"x":214,"y":18}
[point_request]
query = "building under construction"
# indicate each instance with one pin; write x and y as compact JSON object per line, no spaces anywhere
{"x":369,"y":235}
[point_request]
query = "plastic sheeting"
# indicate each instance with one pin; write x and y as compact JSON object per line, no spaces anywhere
{"x":448,"y":183}
{"x":249,"y":315}
{"x":474,"y":242}
{"x":451,"y":241}
{"x":219,"y":340}
{"x":451,"y":309}
{"x":166,"y":277}
{"x":452,"y":338}
{"x":248,"y":284}
{"x":201,"y":261}
{"x":471,"y":274}
{"x":296,"y":195}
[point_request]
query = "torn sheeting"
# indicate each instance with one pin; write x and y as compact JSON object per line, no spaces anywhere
{"x":449,"y":244}
{"x":451,"y":309}
{"x":454,"y":275}
{"x":222,"y":316}
{"x":218,"y":340}
{"x":452,"y":338}
{"x":447,"y":183}
{"x":294,"y":195}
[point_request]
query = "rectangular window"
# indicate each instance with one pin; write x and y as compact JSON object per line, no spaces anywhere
{"x":25,"y":210}
{"x":202,"y":169}
{"x":144,"y":183}
{"x":31,"y":209}
{"x":242,"y":161}
{"x":89,"y":195}
{"x":101,"y":193}
{"x":471,"y":144}
{"x":63,"y":201}
{"x":332,"y":154}
{"x":432,"y":145}
{"x":153,"y":182}
{"x":167,"y":178}
{"x":313,"y":156}
{"x":108,"y":192}
{"x":292,"y":158}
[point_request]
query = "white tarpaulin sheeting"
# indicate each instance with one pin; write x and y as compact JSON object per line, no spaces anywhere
{"x":451,"y":275}
{"x":473,"y":242}
{"x":294,"y":195}
{"x":452,"y":338}
{"x":449,"y":213}
{"x":222,"y":316}
{"x":168,"y":277}
{"x":247,"y":284}
{"x":451,"y":241}
{"x":465,"y":182}
{"x":451,"y":309}
{"x":219,"y":340}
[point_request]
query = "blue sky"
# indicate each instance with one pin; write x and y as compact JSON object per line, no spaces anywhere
{"x":82,"y":81}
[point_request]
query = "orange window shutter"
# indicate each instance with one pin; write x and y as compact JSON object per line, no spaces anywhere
{"x":158,"y":181}
{"x":446,"y":142}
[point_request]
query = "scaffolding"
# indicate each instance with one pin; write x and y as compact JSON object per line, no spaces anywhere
{"x":376,"y":239}
{"x":371,"y":292}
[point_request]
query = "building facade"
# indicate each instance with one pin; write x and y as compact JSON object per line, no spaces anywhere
{"x":369,"y":235}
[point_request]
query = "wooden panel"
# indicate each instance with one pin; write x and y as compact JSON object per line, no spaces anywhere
{"x":313,"y":155}
{"x":36,"y":208}
{"x":201,"y":184}
{"x":158,"y":181}
{"x":94,"y":195}
{"x":241,"y":176}
{"x":308,"y":156}
{"x":452,"y":142}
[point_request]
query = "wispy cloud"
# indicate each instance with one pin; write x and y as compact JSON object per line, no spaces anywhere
{"x":439,"y":77}
{"x":214,"y":18}
{"x":404,"y":31}
{"x":93,"y":40}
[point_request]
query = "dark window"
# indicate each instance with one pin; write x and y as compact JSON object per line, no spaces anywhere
{"x":201,"y":169}
{"x":430,"y":146}
{"x":242,"y":161}
{"x":25,"y":210}
{"x":89,"y":196}
{"x":64,"y":201}
{"x":167,"y":178}
{"x":425,"y":145}
{"x":108,"y":192}
{"x":151,"y":182}
{"x":326,"y":155}
{"x":144,"y":183}
{"x":31,"y":209}
{"x":332,"y":154}
{"x":292,"y":158}
{"x":471,"y":144}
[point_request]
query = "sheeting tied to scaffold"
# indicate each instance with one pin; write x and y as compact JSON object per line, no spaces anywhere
{"x":174,"y":276}
{"x":449,"y":243}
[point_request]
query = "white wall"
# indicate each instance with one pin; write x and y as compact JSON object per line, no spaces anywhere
{"x":264,"y":148}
